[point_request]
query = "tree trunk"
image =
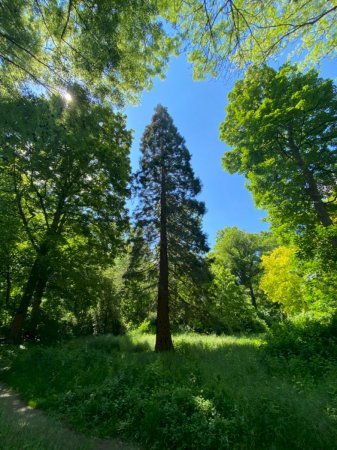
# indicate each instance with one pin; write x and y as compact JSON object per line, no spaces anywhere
{"x":315,"y":196}
{"x":163,"y":334}
{"x":36,"y":305}
{"x":38,"y":277}
{"x":252,"y":295}
{"x":313,"y":192}
{"x":36,"y":284}
{"x":15,"y":333}
{"x":8,"y":286}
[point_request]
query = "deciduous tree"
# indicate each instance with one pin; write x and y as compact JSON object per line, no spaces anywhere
{"x":282,"y":281}
{"x":69,"y":167}
{"x":240,"y":252}
{"x":282,"y":130}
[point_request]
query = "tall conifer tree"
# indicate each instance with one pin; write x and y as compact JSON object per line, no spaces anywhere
{"x":169,"y":215}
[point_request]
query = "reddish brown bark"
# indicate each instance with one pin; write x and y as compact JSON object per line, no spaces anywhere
{"x":163,"y":334}
{"x":15,"y":334}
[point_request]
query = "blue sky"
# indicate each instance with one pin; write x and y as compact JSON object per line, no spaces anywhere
{"x":197,"y":109}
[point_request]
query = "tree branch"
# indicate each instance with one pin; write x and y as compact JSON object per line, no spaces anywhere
{"x":22,"y":213}
{"x":67,"y":21}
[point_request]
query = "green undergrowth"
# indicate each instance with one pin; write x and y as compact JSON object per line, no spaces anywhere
{"x":305,"y":337}
{"x":210,"y":393}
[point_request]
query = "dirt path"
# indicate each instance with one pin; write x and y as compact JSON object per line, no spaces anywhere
{"x":22,"y":427}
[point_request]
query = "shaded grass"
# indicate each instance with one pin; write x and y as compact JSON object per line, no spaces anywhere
{"x":25,"y":428}
{"x":22,"y":435}
{"x":211,"y":393}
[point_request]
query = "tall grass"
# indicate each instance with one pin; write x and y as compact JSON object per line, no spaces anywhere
{"x":211,"y":393}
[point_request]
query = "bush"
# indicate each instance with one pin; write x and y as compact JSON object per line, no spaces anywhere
{"x":230,"y":326}
{"x":304,"y":336}
{"x":148,"y":326}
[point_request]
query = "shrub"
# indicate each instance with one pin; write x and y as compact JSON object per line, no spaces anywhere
{"x":304,"y":336}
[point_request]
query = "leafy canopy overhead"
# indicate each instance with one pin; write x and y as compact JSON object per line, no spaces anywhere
{"x":114,"y":47}
{"x":220,"y":33}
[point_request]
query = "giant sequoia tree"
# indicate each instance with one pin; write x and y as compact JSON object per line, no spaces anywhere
{"x":169,"y":215}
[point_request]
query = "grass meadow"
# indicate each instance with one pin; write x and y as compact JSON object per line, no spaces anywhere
{"x":210,"y":393}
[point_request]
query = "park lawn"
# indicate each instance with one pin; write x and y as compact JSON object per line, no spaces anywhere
{"x":210,"y":393}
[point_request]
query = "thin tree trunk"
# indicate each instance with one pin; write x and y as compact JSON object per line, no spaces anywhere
{"x":252,"y":295}
{"x":37,"y":280}
{"x":8,"y":286}
{"x":36,"y":305}
{"x":163,"y":334}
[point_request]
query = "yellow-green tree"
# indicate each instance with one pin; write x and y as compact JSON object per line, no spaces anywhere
{"x":281,"y":281}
